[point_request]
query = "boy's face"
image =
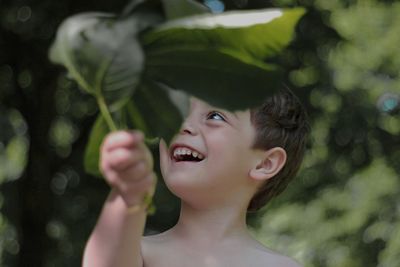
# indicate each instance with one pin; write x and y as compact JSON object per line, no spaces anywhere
{"x":210,"y":158}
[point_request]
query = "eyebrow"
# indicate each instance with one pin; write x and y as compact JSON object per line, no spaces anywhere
{"x":228,"y":113}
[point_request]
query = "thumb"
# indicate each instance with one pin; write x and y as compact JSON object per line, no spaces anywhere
{"x":164,"y":156}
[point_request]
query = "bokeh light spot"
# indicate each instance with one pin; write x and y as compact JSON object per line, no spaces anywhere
{"x":24,"y":13}
{"x":59,"y":184}
{"x":215,"y":5}
{"x":388,"y":103}
{"x":55,"y":230}
{"x":25,"y":79}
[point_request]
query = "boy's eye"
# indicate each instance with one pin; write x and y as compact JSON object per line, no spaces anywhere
{"x":214,"y":115}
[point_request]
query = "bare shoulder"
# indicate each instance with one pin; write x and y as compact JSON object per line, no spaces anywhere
{"x":150,"y":249}
{"x":155,"y":244}
{"x":157,"y":250}
{"x":153,"y":241}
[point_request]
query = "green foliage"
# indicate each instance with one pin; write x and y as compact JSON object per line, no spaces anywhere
{"x":183,"y":8}
{"x":342,"y":210}
{"x":92,"y":153}
{"x":214,"y":57}
{"x":338,"y":214}
{"x":146,"y":103}
{"x":252,"y":33}
{"x":200,"y":55}
{"x":14,"y":146}
{"x":102,"y":54}
{"x":345,"y":200}
{"x":208,"y":69}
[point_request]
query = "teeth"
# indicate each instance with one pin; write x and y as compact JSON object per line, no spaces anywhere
{"x":185,"y":151}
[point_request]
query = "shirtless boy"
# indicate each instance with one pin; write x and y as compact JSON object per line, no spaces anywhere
{"x":221,"y":164}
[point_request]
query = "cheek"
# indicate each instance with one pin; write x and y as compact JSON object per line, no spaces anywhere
{"x":164,"y":168}
{"x":230,"y":162}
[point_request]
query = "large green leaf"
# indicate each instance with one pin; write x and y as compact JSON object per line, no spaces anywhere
{"x":150,"y":110}
{"x":131,"y":7}
{"x":222,"y":64}
{"x":162,"y":115}
{"x":221,"y":58}
{"x":183,"y":8}
{"x":221,"y":78}
{"x":260,"y":33}
{"x":92,"y":151}
{"x":101,"y":54}
{"x":129,"y":118}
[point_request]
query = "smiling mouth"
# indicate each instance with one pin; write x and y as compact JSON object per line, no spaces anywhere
{"x":180,"y":154}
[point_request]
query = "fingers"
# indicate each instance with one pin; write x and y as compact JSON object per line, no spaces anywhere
{"x":121,"y":150}
{"x":127,"y":139}
{"x":127,"y":165}
{"x":121,"y":159}
{"x":125,"y":158}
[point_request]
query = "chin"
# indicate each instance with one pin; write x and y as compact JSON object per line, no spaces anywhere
{"x":178,"y":183}
{"x":186,"y":187}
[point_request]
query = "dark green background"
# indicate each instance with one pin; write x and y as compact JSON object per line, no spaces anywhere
{"x":342,"y":210}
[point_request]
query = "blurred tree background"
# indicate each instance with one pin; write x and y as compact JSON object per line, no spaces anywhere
{"x":343,"y":209}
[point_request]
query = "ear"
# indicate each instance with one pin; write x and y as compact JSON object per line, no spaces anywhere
{"x":271,"y":162}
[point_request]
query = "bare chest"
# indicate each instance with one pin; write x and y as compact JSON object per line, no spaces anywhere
{"x":206,"y":261}
{"x":161,"y":253}
{"x":184,"y":258}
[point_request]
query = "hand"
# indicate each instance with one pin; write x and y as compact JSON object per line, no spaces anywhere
{"x":127,"y":165}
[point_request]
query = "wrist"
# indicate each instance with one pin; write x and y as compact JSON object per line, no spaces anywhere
{"x":144,"y":205}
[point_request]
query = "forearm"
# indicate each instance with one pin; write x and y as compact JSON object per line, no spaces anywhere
{"x":115,"y":240}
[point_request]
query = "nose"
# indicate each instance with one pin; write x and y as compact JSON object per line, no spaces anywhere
{"x":188,"y":128}
{"x":191,"y":122}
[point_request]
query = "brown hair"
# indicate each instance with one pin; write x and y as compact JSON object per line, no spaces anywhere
{"x":280,"y":121}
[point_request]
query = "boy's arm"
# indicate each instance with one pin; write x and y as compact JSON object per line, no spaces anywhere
{"x":127,"y":166}
{"x":115,"y":240}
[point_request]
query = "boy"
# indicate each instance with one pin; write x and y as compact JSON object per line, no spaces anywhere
{"x":221,"y":164}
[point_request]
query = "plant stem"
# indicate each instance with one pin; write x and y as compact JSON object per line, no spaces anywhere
{"x":106,"y":113}
{"x":137,"y":117}
{"x":141,"y":124}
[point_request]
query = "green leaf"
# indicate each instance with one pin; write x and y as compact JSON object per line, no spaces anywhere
{"x":150,"y":110}
{"x":101,"y":54}
{"x":162,"y":115}
{"x":131,"y":7}
{"x":222,"y":58}
{"x":183,"y":8}
{"x":260,"y":34}
{"x":92,"y":150}
{"x":129,"y":117}
{"x":220,"y":78}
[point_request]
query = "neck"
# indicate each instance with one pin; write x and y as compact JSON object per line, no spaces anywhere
{"x":207,"y":227}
